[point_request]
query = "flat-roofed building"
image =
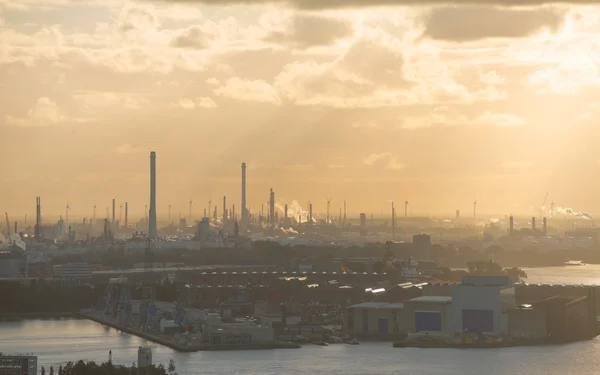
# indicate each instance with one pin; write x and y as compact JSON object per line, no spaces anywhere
{"x":18,"y":365}
{"x":428,"y":314}
{"x":373,"y":319}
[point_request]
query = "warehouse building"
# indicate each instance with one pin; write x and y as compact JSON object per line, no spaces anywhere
{"x":428,"y":314}
{"x":374,"y":319}
{"x":480,"y":304}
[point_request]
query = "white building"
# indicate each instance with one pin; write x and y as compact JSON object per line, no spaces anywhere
{"x":480,"y":304}
{"x":144,"y":357}
{"x":18,"y":364}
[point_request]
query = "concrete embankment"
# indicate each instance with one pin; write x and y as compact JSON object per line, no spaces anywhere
{"x":166,"y":341}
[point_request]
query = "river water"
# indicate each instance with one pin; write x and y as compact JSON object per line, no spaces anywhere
{"x":58,"y":341}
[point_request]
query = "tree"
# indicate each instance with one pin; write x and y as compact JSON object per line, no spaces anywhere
{"x":171,"y":367}
{"x":43,"y":370}
{"x":60,"y":370}
{"x":51,"y":370}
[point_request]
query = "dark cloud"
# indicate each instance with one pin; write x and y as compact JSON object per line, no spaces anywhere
{"x":472,"y":23}
{"x":330,"y":4}
{"x":308,"y":31}
{"x":192,"y":37}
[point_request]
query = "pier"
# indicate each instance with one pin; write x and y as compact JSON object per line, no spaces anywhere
{"x":169,"y":342}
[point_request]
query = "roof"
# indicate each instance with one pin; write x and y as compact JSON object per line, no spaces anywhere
{"x":377,"y":305}
{"x":432,"y":299}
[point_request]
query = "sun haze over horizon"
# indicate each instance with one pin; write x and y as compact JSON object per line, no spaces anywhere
{"x":360,"y":101}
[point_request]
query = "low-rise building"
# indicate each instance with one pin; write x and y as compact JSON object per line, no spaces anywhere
{"x":18,"y":365}
{"x":480,"y":304}
{"x":374,"y":319}
{"x":239,"y":333}
{"x":427,"y":314}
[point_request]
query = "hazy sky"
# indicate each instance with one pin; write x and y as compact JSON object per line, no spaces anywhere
{"x":441,"y":104}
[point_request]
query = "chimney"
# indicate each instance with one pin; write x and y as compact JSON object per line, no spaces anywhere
{"x":545,"y":226}
{"x":457,"y":214}
{"x":126,"y":212}
{"x":310,"y":214}
{"x":511,"y":229}
{"x":16,"y":228}
{"x":152,"y":231}
{"x":244,"y":205}
{"x":233,"y":212}
{"x":38,"y":218}
{"x":285,"y":211}
{"x":224,"y":209}
{"x":272,"y":207}
{"x":113,"y":212}
{"x":533,"y":224}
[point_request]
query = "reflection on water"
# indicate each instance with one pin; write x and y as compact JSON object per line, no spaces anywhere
{"x":588,"y":274}
{"x":58,"y":341}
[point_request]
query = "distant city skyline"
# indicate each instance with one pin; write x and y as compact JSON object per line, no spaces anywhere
{"x":366,"y":105}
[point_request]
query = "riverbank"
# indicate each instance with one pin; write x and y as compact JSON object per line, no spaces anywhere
{"x":493,"y":345}
{"x":170,"y":343}
{"x":37,"y":315}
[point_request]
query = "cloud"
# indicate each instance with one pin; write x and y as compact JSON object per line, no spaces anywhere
{"x":202,"y":102}
{"x":368,"y":75}
{"x":45,"y":112}
{"x":383,"y":160}
{"x":461,"y":24}
{"x":500,"y":119}
{"x":333,"y":4}
{"x":193,"y":37}
{"x":249,"y":90}
{"x":310,"y":30}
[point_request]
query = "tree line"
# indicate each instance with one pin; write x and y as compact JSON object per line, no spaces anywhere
{"x":108,"y":368}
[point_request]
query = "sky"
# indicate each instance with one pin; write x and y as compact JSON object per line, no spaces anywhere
{"x":366,"y":101}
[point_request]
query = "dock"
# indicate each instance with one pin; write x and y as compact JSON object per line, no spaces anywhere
{"x":169,"y":342}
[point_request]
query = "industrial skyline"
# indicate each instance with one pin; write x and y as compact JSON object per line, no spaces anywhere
{"x":298,"y":212}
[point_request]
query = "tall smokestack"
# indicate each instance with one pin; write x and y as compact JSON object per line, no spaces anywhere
{"x":545,"y":225}
{"x":533,"y":224}
{"x":113,"y":212}
{"x":285,"y":211}
{"x":126,"y":214}
{"x":272,"y":207}
{"x":224,"y":209}
{"x":511,"y":228}
{"x":393,"y":221}
{"x":38,"y":219}
{"x":243,"y":226}
{"x":344,"y":212}
{"x":152,"y":232}
{"x":310,"y":214}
